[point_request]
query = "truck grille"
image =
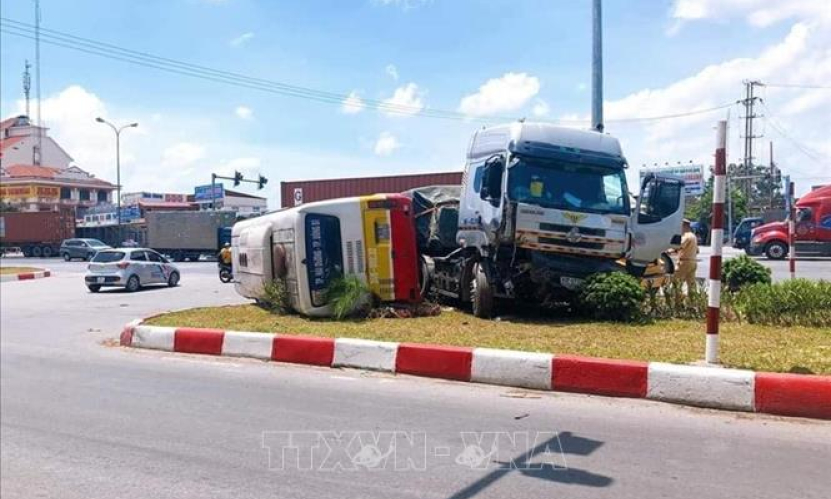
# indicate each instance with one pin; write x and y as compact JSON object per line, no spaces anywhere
{"x":587,"y":231}
{"x":569,"y":244}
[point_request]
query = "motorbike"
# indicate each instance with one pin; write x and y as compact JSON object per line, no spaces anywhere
{"x":226,"y":274}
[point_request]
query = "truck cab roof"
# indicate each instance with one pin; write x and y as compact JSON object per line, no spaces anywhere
{"x":544,"y":139}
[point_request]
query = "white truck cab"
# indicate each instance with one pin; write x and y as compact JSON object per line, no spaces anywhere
{"x":543,"y":207}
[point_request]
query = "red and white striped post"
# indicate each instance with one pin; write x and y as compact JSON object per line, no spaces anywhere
{"x":716,"y":241}
{"x":791,"y":231}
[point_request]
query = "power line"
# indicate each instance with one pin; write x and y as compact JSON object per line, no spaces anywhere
{"x":798,"y":85}
{"x":806,"y":150}
{"x":114,"y":52}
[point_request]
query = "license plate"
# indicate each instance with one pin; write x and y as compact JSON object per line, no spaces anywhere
{"x":571,"y":282}
{"x":100,"y":280}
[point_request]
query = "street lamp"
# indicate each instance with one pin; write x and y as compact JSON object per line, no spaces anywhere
{"x":117,"y":131}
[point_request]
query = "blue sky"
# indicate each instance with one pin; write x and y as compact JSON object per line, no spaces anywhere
{"x":660,"y":58}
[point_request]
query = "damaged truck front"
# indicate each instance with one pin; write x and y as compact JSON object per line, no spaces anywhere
{"x":541,"y":209}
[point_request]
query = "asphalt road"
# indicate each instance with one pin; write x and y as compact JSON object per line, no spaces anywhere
{"x":808,"y":268}
{"x":83,"y":419}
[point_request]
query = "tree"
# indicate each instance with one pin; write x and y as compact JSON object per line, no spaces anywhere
{"x":701,"y":210}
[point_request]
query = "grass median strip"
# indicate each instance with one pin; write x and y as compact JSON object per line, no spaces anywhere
{"x":747,"y":346}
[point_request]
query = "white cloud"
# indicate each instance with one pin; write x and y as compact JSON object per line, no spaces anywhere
{"x":507,"y":93}
{"x":182,"y":154}
{"x":581,"y":87}
{"x":403,"y":4}
{"x":386,"y":144}
{"x":760,"y":13}
{"x":244,"y":112}
{"x":800,"y":57}
{"x":392,"y":71}
{"x":242,"y":39}
{"x":352,"y":104}
{"x":406,"y":101}
{"x":541,"y":108}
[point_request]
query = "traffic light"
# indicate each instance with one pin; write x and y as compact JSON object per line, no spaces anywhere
{"x":777,"y":176}
{"x":237,"y":178}
{"x":261,"y":182}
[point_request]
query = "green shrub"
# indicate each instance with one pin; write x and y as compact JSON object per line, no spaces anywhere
{"x":670,"y":302}
{"x":743,"y":271}
{"x":797,"y":302}
{"x":348,"y":296}
{"x":614,"y":296}
{"x":276,"y":297}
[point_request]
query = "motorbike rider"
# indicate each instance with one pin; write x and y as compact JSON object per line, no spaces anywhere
{"x":225,"y":255}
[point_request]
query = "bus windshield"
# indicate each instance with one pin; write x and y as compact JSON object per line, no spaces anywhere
{"x":568,"y":186}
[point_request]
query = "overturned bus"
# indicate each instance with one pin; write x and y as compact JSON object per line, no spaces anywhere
{"x":309,"y":246}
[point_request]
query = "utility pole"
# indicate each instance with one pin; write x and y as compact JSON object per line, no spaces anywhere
{"x":27,"y":86}
{"x":772,"y":176}
{"x":37,"y":83}
{"x":597,"y":67}
{"x":749,"y":115}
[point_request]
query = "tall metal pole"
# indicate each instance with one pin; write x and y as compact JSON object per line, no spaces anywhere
{"x":37,"y":78}
{"x":118,"y":180}
{"x":791,"y":228}
{"x":597,"y":67}
{"x":716,"y":237}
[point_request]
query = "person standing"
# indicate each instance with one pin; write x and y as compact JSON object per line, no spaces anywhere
{"x":687,"y":254}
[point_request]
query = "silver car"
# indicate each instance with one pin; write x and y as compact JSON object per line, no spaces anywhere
{"x":130,"y":268}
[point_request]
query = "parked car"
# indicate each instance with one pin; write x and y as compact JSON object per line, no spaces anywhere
{"x":84,"y":249}
{"x":741,"y":236}
{"x":130,"y":268}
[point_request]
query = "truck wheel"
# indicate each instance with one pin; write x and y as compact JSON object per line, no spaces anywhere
{"x":37,"y":252}
{"x":481,"y":293}
{"x":133,"y":284}
{"x":776,"y":250}
{"x":47,"y":252}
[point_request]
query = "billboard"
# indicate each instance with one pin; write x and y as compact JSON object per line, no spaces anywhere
{"x":203,"y":192}
{"x":29,"y":191}
{"x":693,"y":176}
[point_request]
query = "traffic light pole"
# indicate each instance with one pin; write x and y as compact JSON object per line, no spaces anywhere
{"x":237,"y":179}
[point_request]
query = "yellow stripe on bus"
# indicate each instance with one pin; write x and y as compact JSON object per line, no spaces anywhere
{"x":378,"y":237}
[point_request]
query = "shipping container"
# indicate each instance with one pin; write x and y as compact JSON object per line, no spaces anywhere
{"x":36,"y":233}
{"x":186,"y":235}
{"x":307,"y":191}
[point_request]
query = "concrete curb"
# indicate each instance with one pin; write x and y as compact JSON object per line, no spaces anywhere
{"x":26,"y":276}
{"x":732,"y":389}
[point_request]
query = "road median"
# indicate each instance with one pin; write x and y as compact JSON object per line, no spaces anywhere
{"x":712,"y":387}
{"x":22,"y":273}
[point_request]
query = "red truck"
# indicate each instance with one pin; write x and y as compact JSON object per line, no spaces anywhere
{"x":813,"y":229}
{"x":36,"y":233}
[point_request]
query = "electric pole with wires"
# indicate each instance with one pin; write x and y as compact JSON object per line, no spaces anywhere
{"x":749,"y":103}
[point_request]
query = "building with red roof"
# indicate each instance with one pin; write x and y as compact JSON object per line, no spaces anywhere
{"x":37,"y":174}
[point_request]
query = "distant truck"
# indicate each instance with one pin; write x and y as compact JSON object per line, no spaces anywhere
{"x":813,"y":229}
{"x":37,"y":234}
{"x":187,"y":235}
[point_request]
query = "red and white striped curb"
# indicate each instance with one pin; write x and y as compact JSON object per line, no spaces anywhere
{"x":25,"y":276}
{"x":733,"y":389}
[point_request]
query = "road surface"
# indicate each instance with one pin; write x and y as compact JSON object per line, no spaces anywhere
{"x":84,"y":419}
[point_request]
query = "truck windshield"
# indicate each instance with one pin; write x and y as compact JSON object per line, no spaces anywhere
{"x":568,"y":186}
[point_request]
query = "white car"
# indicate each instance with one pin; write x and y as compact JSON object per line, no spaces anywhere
{"x":130,"y":268}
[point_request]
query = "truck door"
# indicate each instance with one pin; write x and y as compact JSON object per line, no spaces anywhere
{"x":656,"y":221}
{"x":806,"y":226}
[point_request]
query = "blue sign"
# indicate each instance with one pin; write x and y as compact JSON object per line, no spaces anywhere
{"x":130,"y":212}
{"x":203,"y":192}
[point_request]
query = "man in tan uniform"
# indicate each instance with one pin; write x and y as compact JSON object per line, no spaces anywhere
{"x":685,"y":273}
